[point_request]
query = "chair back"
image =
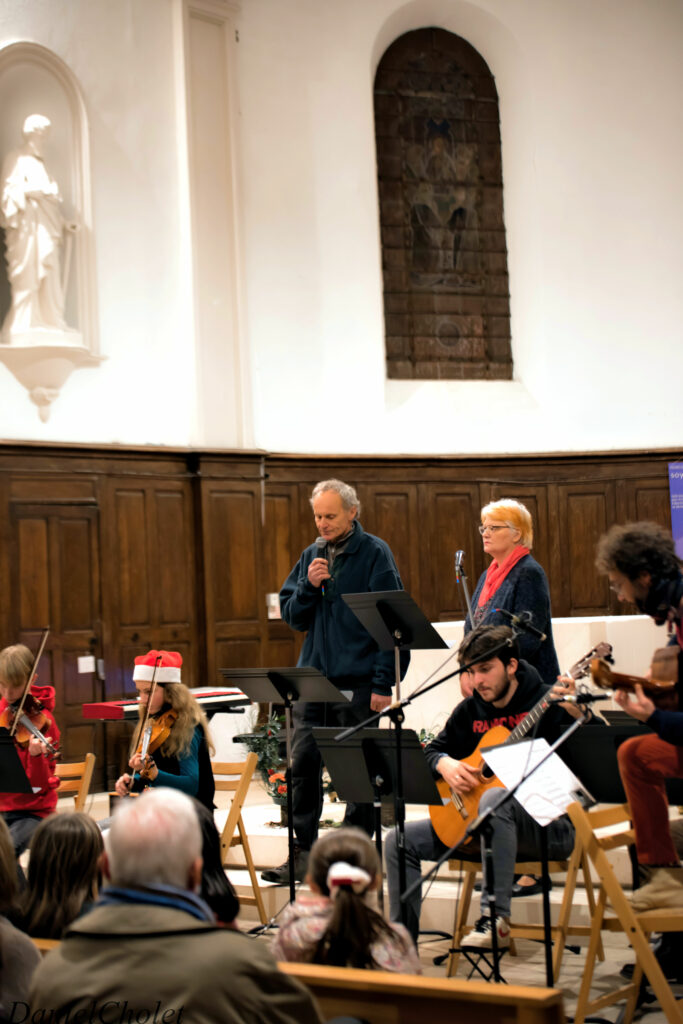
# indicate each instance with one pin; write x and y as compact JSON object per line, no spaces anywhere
{"x":75,"y":777}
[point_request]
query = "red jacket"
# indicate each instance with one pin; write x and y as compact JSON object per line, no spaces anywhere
{"x":40,"y":770}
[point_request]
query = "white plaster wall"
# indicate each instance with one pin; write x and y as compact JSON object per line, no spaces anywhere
{"x":122,"y":54}
{"x":592,"y":150}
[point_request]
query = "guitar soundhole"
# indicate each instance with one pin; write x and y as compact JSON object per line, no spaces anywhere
{"x":486,"y":773}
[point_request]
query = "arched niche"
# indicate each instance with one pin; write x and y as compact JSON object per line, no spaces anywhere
{"x":440,"y":185}
{"x":33,"y":80}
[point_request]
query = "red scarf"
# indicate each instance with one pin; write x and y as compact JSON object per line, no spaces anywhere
{"x":495,"y":573}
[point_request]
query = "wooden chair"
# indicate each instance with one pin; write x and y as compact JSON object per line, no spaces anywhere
{"x":235,"y":777}
{"x":75,"y":777}
{"x":637,"y":927}
{"x":559,"y":931}
{"x":386,"y":998}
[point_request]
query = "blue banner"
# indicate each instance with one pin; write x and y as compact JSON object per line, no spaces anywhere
{"x":676,"y":494}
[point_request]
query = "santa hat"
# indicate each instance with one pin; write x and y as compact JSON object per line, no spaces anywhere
{"x":168,"y":670}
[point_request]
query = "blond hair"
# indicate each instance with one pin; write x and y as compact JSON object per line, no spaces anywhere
{"x":16,"y":663}
{"x":513,"y":514}
{"x":190,"y":715}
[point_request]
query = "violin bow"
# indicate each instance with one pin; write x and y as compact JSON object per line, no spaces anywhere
{"x":31,"y":677}
{"x":146,"y":729}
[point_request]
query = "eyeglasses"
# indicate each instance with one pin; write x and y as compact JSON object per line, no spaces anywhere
{"x":491,"y":529}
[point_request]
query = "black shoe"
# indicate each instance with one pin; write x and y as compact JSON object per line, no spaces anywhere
{"x":528,"y":890}
{"x":281,"y":875}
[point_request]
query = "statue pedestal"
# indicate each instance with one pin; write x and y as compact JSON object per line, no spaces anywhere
{"x":43,"y":359}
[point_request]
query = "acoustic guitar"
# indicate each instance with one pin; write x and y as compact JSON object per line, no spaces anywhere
{"x":451,"y":818}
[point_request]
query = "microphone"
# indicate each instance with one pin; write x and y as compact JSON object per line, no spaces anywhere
{"x":522,"y":621}
{"x":459,"y":555}
{"x":583,"y":698}
{"x":321,"y":543}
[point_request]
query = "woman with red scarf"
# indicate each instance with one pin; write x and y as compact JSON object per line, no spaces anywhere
{"x":515,"y":582}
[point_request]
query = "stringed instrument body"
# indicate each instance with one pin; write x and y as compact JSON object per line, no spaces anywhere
{"x":660,"y":687}
{"x":451,"y":819}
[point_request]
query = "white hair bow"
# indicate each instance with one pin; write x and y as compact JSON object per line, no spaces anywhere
{"x":342,"y":873}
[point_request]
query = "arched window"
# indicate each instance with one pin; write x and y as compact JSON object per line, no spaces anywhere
{"x":444,"y":255}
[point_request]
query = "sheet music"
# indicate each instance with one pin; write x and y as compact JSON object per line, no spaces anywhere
{"x":550,"y":789}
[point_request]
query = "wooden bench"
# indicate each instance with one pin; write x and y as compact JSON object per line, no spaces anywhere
{"x":382,"y":998}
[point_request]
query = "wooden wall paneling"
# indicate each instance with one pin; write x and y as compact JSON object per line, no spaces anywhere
{"x":132,"y":547}
{"x":555,"y":566}
{"x":391,"y":512}
{"x":172,"y":570}
{"x":233,"y":575}
{"x":448,"y":523}
{"x":57,"y":582}
{"x":7,"y":597}
{"x":586,"y":511}
{"x":280,"y":552}
{"x":649,"y":499}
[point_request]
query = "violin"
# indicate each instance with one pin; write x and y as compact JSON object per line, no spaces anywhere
{"x":25,"y":718}
{"x":660,"y":689}
{"x":155,"y":735}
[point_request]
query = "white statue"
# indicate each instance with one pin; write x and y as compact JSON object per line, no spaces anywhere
{"x":32,"y":218}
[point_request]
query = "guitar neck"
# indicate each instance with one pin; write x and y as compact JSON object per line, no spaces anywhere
{"x":530,"y":720}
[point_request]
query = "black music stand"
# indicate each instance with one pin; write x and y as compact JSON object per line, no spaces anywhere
{"x":396,"y":623}
{"x":376,"y":749}
{"x":393,"y":620}
{"x":286,"y":686}
{"x":13,"y":778}
{"x":591,"y":754}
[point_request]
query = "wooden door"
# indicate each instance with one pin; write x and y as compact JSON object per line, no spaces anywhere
{"x":55,"y":581}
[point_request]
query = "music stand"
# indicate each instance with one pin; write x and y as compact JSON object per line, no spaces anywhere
{"x":591,"y":754}
{"x":286,"y":686}
{"x":375,"y":748}
{"x":13,"y":778}
{"x":392,"y":619}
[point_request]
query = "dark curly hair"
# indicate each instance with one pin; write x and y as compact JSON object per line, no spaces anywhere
{"x":635,"y":548}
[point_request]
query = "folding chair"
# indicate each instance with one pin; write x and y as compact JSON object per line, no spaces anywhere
{"x":75,"y":777}
{"x":240,"y":774}
{"x":559,"y":931}
{"x":637,"y":927}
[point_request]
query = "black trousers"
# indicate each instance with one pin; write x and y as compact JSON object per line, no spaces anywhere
{"x":307,"y":789}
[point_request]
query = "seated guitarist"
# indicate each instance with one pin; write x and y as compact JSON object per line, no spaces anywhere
{"x":504,"y":690}
{"x":643,"y":569}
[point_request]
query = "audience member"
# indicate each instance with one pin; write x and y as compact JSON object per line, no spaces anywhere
{"x":63,"y":873}
{"x":151,"y":947}
{"x":18,"y":955}
{"x":216,"y":888}
{"x":334,"y":923}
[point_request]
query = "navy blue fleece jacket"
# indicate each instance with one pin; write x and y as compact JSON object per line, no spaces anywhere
{"x":524,"y":589}
{"x":336,"y":643}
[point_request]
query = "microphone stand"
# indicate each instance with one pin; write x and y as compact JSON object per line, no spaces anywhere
{"x":461,"y":578}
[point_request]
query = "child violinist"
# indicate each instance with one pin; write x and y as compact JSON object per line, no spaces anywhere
{"x":180,"y":748}
{"x":23,"y":812}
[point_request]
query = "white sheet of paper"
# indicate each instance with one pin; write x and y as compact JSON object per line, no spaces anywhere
{"x":551,"y":788}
